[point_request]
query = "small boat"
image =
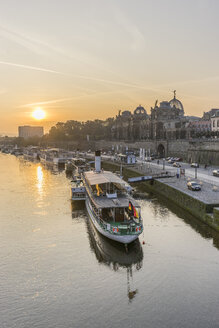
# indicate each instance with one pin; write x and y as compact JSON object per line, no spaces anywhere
{"x":5,"y":150}
{"x":17,"y":151}
{"x":80,"y":165}
{"x":112,"y":210}
{"x":69,"y":167}
{"x":78,"y":194}
{"x":54,"y":156}
{"x":31,"y":153}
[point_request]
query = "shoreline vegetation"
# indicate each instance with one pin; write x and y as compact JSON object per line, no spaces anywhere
{"x":76,"y":132}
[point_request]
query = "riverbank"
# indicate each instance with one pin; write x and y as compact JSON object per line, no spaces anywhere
{"x":203,"y":204}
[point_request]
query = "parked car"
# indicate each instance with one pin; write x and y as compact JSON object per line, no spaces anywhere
{"x":171,"y":161}
{"x":178,"y":159}
{"x":216,"y":173}
{"x":175,"y":164}
{"x":194,"y":186}
{"x":195,"y":165}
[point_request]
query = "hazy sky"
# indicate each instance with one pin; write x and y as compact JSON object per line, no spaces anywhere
{"x":88,"y":59}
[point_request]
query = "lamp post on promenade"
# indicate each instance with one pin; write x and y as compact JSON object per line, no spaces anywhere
{"x":163,"y":164}
{"x":196,"y":169}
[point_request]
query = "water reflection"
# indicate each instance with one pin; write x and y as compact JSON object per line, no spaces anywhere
{"x":54,"y":169}
{"x":39,"y":179}
{"x":114,"y":256}
{"x":78,"y":208}
{"x":163,"y":207}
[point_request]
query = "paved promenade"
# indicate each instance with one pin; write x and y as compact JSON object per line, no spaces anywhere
{"x":209,"y":193}
{"x":204,"y":175}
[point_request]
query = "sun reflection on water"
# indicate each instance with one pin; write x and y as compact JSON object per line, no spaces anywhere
{"x":40,"y":179}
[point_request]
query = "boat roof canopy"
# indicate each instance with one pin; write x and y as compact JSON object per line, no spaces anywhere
{"x":120,"y":202}
{"x":94,"y":178}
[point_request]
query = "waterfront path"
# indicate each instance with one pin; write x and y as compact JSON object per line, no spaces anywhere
{"x":203,"y":174}
{"x":207,"y":195}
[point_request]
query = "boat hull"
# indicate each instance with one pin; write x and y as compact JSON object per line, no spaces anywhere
{"x":121,"y":239}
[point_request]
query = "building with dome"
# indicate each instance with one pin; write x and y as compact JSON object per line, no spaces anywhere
{"x":166,"y":121}
{"x":176,"y":103}
{"x":132,"y":126}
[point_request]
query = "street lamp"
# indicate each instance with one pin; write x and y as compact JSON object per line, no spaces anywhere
{"x":163,"y":164}
{"x":196,"y":169}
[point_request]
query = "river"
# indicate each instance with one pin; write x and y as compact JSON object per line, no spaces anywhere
{"x":56,"y":271}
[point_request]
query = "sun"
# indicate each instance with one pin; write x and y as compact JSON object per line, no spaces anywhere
{"x":39,"y":114}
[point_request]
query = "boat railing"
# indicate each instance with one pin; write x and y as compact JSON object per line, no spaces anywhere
{"x":122,"y":229}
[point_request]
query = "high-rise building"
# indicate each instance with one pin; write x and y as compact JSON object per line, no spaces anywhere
{"x":28,"y":131}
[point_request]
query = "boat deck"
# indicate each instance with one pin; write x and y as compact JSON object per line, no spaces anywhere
{"x":120,"y":201}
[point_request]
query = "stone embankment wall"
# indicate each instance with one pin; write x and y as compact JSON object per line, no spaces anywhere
{"x":203,"y":211}
{"x":204,"y":152}
{"x":216,"y":213}
{"x":208,"y":213}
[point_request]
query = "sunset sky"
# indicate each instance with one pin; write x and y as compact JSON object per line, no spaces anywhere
{"x":87,"y":59}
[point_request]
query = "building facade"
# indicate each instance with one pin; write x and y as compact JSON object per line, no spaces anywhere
{"x":200,"y":125}
{"x":128,"y":126}
{"x":27,"y":131}
{"x":215,"y":121}
{"x":166,"y":121}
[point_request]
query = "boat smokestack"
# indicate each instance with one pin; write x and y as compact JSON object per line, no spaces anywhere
{"x":97,"y":161}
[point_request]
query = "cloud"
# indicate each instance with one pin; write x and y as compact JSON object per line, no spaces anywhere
{"x":53,"y":101}
{"x":112,"y":82}
{"x":60,"y":100}
{"x":31,"y":67}
{"x":40,"y":47}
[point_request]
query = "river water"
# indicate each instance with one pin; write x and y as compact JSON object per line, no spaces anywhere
{"x":57,"y":271}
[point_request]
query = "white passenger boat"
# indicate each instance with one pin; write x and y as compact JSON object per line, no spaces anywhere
{"x":54,"y":156}
{"x":112,"y":210}
{"x":31,"y":153}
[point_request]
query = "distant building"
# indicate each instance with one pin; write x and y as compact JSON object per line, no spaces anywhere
{"x":166,"y":121}
{"x":200,"y":125}
{"x":209,"y":114}
{"x":215,"y":121}
{"x":27,"y":131}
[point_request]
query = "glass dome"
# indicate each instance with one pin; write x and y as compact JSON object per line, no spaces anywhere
{"x":176,"y":103}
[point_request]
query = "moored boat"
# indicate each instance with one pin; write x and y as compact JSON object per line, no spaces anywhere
{"x":80,"y":165}
{"x":112,"y":210}
{"x":31,"y":153}
{"x":54,"y":156}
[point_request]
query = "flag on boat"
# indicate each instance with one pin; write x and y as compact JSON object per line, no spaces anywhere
{"x":99,"y":190}
{"x":130,"y":206}
{"x":133,"y":210}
